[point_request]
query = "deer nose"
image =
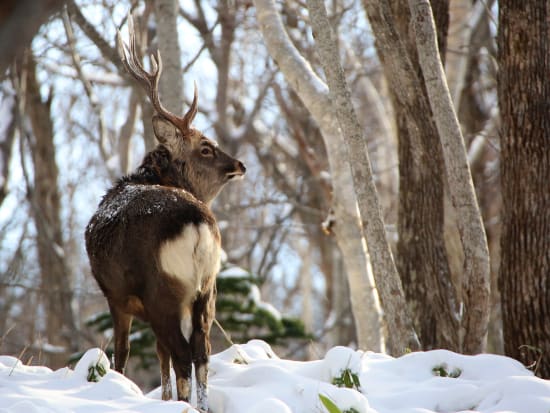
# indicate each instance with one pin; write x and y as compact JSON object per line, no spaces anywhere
{"x":241,"y":167}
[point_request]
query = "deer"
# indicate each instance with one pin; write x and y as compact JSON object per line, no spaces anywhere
{"x":154,"y":244}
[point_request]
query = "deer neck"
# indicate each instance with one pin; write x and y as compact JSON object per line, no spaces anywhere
{"x":158,"y":168}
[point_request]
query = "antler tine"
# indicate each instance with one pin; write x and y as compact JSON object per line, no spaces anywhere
{"x":156,"y":63}
{"x":129,"y":62}
{"x":149,"y":81}
{"x":192,"y":112}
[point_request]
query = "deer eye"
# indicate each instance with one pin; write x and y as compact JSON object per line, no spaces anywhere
{"x":207,"y":151}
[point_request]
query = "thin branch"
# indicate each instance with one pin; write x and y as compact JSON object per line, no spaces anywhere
{"x":194,"y":59}
{"x":89,"y":30}
{"x":471,"y":24}
{"x":94,"y":101}
{"x":110,"y":79}
{"x":258,"y":102}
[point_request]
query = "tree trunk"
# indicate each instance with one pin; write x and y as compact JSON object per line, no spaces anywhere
{"x":476,"y":279}
{"x":125,"y":135}
{"x":19,"y":22}
{"x":8,"y":106}
{"x":400,"y":328}
{"x":314,"y":93}
{"x":171,"y":82}
{"x":421,"y":253}
{"x":471,"y":34}
{"x":523,"y":94}
{"x":421,"y":258}
{"x":45,"y":202}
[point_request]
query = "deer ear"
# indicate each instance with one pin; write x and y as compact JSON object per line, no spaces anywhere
{"x":164,"y":130}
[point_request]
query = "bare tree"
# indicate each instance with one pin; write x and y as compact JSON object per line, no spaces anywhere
{"x":44,"y":198}
{"x":277,"y":115}
{"x":471,"y":72}
{"x":421,"y":253}
{"x":476,"y":278}
{"x":19,"y":22}
{"x":314,"y":93}
{"x":400,"y":330}
{"x":401,"y":75}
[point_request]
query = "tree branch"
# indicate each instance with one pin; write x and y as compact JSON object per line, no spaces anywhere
{"x":94,"y":101}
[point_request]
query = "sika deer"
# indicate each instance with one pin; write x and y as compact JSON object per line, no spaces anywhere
{"x":154,"y":245}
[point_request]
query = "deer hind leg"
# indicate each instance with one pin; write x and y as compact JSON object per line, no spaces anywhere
{"x":203,"y":315}
{"x":164,"y":358}
{"x":169,"y":337}
{"x":122,"y":323}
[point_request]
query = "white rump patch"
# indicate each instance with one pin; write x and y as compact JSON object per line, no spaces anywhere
{"x":194,"y":259}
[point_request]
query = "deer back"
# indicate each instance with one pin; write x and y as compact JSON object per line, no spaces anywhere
{"x":142,"y":233}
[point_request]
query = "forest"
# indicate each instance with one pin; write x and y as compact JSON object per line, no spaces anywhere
{"x":397,"y":193}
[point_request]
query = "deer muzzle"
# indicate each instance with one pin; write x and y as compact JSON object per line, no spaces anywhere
{"x":238,"y":172}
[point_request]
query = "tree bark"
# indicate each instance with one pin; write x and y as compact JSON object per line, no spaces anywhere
{"x":7,"y":137}
{"x":171,"y":82}
{"x":400,"y":328}
{"x":125,"y":135}
{"x":523,"y":95}
{"x":314,"y":93}
{"x":421,"y":253}
{"x":476,"y":280}
{"x":422,"y":257}
{"x":45,"y":202}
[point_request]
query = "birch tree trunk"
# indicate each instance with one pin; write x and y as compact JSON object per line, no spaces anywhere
{"x":400,"y":328}
{"x":314,"y":93}
{"x":476,"y":278}
{"x":171,"y":82}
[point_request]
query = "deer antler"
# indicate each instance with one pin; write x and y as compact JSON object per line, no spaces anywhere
{"x":150,"y":81}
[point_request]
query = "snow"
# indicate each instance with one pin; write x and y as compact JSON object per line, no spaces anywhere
{"x":234,"y":272}
{"x":255,"y":296}
{"x":250,"y":378}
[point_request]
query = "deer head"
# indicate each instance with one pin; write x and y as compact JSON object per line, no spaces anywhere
{"x":186,"y":158}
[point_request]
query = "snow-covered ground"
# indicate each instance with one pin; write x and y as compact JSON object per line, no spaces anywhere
{"x":250,"y":378}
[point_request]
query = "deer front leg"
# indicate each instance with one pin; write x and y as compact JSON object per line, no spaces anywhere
{"x":164,"y":360}
{"x":203,"y":315}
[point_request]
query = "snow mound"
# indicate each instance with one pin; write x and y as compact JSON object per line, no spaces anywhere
{"x":30,"y":389}
{"x":250,"y":378}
